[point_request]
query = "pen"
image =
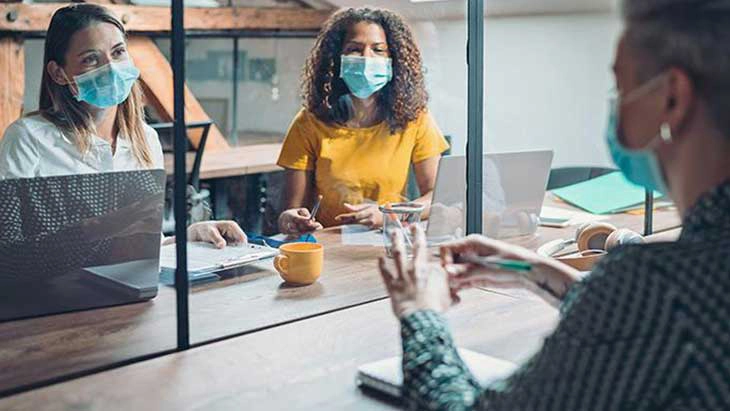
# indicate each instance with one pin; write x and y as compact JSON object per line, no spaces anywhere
{"x":495,"y":263}
{"x":315,"y":209}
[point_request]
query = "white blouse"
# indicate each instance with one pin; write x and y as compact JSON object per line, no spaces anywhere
{"x":35,"y":147}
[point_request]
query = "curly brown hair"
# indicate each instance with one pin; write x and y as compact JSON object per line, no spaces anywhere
{"x":401,"y":101}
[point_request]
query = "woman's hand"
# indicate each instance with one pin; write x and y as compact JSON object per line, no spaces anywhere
{"x":365,"y":214}
{"x":418,"y":284}
{"x":548,"y":278}
{"x":297,"y":221}
{"x":218,"y":233}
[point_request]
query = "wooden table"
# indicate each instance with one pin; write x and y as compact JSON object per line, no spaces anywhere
{"x":41,"y":350}
{"x":232,"y":162}
{"x":48,"y":347}
{"x":302,"y":366}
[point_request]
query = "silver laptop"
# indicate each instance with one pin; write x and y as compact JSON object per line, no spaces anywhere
{"x":76,"y":242}
{"x":513,"y":191}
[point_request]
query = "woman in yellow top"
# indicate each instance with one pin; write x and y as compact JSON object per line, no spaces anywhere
{"x":363,"y":124}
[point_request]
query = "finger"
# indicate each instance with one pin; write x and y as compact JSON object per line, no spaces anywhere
{"x":446,"y":256}
{"x":345,"y":217}
{"x":303,"y":212}
{"x":302,"y":218}
{"x":458,"y":270}
{"x":356,"y":208}
{"x":478,"y":245}
{"x":385,"y":272}
{"x":212,"y":235}
{"x":455,"y":299}
{"x":368,"y":212}
{"x":420,"y":247}
{"x":367,"y":221}
{"x":232,"y":231}
{"x":399,"y":256}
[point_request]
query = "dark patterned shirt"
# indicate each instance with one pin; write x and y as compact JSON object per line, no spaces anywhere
{"x":647,"y":330}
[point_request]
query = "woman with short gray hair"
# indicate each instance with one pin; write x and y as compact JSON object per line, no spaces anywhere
{"x":648,"y":329}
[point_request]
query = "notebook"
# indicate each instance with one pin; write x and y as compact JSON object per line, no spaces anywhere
{"x":386,"y":376}
{"x":205,"y":259}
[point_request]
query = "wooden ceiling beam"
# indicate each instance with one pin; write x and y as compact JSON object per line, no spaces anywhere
{"x":21,"y":17}
{"x":12,"y":80}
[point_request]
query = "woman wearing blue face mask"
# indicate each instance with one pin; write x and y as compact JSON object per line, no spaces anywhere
{"x":647,"y":329}
{"x":90,"y":117}
{"x":364,"y":123}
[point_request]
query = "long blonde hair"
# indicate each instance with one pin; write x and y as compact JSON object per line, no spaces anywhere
{"x":58,"y":104}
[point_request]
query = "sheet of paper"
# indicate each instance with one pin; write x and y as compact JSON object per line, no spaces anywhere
{"x":361,"y":235}
{"x":604,"y":195}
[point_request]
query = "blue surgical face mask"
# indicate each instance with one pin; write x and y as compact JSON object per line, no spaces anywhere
{"x":108,"y":85}
{"x":365,"y":76}
{"x":641,"y":166}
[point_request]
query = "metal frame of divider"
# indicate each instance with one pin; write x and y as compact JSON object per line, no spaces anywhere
{"x":181,"y":147}
{"x":475,"y":119}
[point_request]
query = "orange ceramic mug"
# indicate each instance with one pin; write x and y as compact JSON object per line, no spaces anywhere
{"x":300,"y":263}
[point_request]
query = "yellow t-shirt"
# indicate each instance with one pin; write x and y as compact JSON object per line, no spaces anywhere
{"x":358,"y":165}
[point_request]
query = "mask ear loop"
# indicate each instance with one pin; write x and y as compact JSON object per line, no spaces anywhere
{"x":71,"y":84}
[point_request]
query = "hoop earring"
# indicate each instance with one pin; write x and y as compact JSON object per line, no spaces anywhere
{"x":665,"y":131}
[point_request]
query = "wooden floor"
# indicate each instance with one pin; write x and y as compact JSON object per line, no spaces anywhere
{"x":300,"y":350}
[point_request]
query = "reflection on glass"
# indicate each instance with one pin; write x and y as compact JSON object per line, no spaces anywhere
{"x":78,"y":242}
{"x":513,"y":191}
{"x":79,"y":270}
{"x":363,"y":113}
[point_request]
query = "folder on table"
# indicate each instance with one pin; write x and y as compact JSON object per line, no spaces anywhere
{"x":609,"y":193}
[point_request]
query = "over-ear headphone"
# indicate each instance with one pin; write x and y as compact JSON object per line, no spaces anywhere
{"x":512,"y":224}
{"x":594,"y":240}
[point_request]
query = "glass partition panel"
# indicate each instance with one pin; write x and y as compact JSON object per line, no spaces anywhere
{"x":339,"y":152}
{"x":79,"y":253}
{"x":548,"y":80}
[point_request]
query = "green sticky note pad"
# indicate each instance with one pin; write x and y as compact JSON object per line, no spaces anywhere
{"x":609,"y":193}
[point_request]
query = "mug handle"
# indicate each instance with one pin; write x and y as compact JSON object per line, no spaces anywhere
{"x":281,"y":263}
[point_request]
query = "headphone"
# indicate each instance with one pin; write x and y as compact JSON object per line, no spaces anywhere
{"x":514,"y":224}
{"x":594,"y":240}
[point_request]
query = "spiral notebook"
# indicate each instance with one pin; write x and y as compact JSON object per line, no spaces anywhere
{"x":386,"y":376}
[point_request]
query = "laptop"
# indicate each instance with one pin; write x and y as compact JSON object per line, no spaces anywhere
{"x":513,"y":191}
{"x":77,"y":242}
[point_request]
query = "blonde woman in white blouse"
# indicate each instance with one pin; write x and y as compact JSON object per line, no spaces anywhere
{"x":90,"y":117}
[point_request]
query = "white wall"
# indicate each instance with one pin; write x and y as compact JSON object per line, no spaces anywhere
{"x":547,"y":79}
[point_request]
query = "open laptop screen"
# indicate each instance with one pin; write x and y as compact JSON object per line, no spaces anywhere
{"x":513,"y":191}
{"x":79,"y":241}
